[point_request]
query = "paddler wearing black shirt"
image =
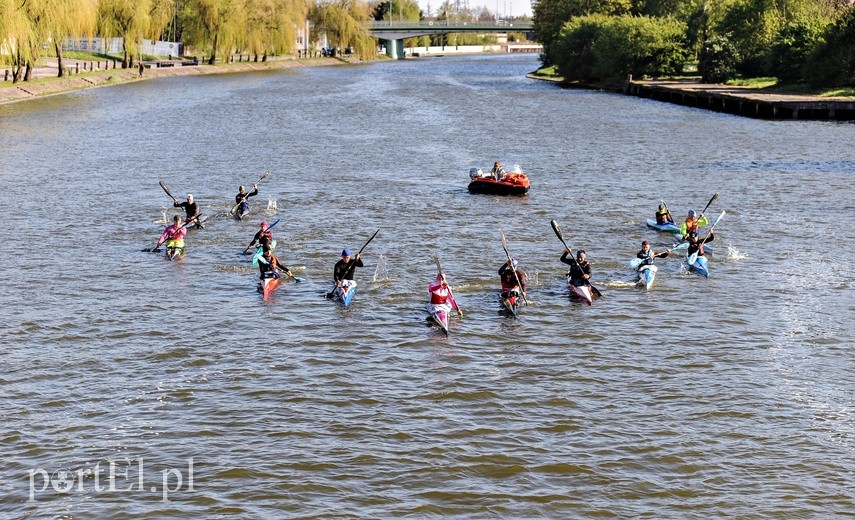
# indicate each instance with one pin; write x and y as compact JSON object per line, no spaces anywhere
{"x":268,"y":263}
{"x":191,"y":210}
{"x":580,"y":270}
{"x":345,"y":267}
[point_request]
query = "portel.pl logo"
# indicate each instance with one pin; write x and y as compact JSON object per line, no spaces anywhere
{"x":122,"y":475}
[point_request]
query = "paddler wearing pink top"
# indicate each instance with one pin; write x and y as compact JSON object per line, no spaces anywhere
{"x":441,"y":297}
{"x":173,"y":235}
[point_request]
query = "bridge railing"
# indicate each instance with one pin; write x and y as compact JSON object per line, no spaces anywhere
{"x":423,"y":24}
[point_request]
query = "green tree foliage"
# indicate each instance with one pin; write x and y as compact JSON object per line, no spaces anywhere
{"x":605,"y":49}
{"x":793,"y":48}
{"x":343,"y":23}
{"x":551,"y":15}
{"x":718,"y":60}
{"x":834,"y":62}
{"x":128,"y":20}
{"x":272,"y":26}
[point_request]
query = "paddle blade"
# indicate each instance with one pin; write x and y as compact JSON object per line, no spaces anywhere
{"x":713,"y":199}
{"x":718,"y":219}
{"x":635,"y":262}
{"x":438,"y":265}
{"x":166,"y":189}
{"x":557,"y":230}
{"x":692,"y":258}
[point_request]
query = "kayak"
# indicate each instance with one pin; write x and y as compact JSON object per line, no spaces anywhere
{"x":268,"y":286}
{"x":646,"y":276}
{"x":345,"y":294}
{"x":669,"y":227}
{"x":440,"y":316}
{"x":511,"y":305}
{"x":513,"y":183}
{"x":700,"y":266}
{"x":583,"y":292}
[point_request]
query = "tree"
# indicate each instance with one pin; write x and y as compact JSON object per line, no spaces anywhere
{"x":551,"y":15}
{"x":216,"y":25}
{"x":272,"y":25}
{"x":77,"y":19}
{"x":128,"y":20}
{"x":343,"y":23}
{"x":718,"y":60}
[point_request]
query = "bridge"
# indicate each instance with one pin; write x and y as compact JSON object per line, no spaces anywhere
{"x":394,"y":32}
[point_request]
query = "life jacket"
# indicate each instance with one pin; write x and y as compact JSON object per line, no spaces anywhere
{"x":691,"y":225}
{"x":662,"y":217}
{"x":438,"y":294}
{"x":646,"y":257}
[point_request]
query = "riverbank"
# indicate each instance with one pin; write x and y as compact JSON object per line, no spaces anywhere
{"x":742,"y":100}
{"x":45,"y":82}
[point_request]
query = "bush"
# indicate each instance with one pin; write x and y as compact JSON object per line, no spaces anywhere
{"x":833,"y":64}
{"x":718,"y":60}
{"x":605,"y":49}
{"x":793,"y":48}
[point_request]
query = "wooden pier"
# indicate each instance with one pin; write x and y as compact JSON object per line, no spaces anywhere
{"x":743,"y":101}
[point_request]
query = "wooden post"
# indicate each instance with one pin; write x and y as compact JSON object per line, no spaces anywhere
{"x":6,"y":75}
{"x":77,"y":68}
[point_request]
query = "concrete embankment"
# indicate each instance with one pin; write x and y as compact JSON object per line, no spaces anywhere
{"x":743,"y":101}
{"x":47,"y":86}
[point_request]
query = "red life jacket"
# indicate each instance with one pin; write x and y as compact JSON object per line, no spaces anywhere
{"x":438,"y":294}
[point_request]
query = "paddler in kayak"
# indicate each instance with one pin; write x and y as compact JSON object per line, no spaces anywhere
{"x":580,"y":269}
{"x":269,"y":265}
{"x":647,"y":256}
{"x":441,"y":298}
{"x":173,"y":237}
{"x":696,"y":244}
{"x":344,"y":268}
{"x":240,"y":199}
{"x":191,"y":210}
{"x":663,"y":216}
{"x":692,"y":224}
{"x":508,"y":274}
{"x":263,"y":236}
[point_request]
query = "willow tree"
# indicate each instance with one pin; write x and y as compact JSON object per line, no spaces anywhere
{"x":16,"y":30}
{"x":75,"y":18}
{"x":271,"y":26}
{"x":127,"y":19}
{"x":343,"y":21}
{"x":217,"y":25}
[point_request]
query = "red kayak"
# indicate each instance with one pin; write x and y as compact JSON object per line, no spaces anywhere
{"x":268,"y":286}
{"x":583,"y":292}
{"x":514,"y":183}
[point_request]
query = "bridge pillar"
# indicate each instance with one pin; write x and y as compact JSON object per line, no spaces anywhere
{"x":395,"y":49}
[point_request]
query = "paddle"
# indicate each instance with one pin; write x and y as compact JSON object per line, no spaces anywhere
{"x":715,"y":196}
{"x":166,"y":189}
{"x":439,"y":269}
{"x":235,"y":207}
{"x":253,"y":240}
{"x":694,"y":256}
{"x":557,"y":230}
{"x":510,"y":264}
{"x":635,"y":262}
{"x":352,"y":263}
{"x":298,"y":279}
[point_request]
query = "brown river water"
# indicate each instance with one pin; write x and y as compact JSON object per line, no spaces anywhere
{"x":731,"y":396}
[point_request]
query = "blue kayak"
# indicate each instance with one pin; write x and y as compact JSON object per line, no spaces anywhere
{"x":700,"y":266}
{"x":670,"y":227}
{"x":345,"y":294}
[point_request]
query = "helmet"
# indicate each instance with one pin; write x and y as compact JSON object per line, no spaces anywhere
{"x":692,"y":213}
{"x":263,"y":224}
{"x":189,"y":197}
{"x":514,"y":263}
{"x":662,"y":207}
{"x":345,"y":252}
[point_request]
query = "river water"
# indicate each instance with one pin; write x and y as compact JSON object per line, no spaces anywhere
{"x":721,"y":397}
